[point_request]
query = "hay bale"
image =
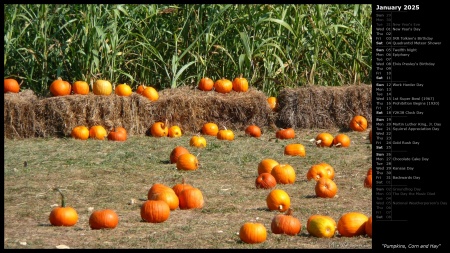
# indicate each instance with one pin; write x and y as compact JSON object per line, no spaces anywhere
{"x":19,"y":120}
{"x":323,"y":106}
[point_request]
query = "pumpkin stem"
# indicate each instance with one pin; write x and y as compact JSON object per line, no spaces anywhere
{"x":289,"y":211}
{"x":337,"y":145}
{"x":63,"y":201}
{"x":240,"y":76}
{"x":166,"y":123}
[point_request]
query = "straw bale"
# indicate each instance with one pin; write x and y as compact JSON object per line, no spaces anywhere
{"x":18,"y":116}
{"x":323,"y":106}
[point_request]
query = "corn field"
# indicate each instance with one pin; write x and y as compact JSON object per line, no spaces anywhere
{"x":167,"y":46}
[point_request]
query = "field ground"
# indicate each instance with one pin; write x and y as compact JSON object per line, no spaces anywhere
{"x":104,"y":174}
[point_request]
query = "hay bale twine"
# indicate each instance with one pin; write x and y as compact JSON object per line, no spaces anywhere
{"x":19,"y":120}
{"x":323,"y":106}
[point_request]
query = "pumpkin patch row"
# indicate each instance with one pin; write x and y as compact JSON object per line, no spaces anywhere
{"x":98,"y":132}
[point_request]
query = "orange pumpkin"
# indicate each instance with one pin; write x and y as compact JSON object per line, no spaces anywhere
{"x":117,"y":135}
{"x":123,"y":90}
{"x":266,"y":165}
{"x":60,"y":88}
{"x":191,"y":198}
{"x":358,"y":123}
{"x":210,"y":129}
{"x":80,"y":88}
{"x":225,"y":134}
{"x":265,"y":181}
{"x":155,"y":211}
{"x":253,"y":130}
{"x":80,"y":132}
{"x":63,"y":215}
{"x":325,"y":188}
{"x":10,"y":85}
{"x":197,"y":141}
{"x":285,"y":224}
{"x":140,"y":89}
{"x":175,"y":132}
{"x":240,"y":84}
{"x":170,"y":197}
{"x":368,"y":227}
{"x":150,"y":93}
{"x":295,"y":149}
{"x":158,"y":188}
{"x":368,"y":181}
{"x":178,"y":188}
{"x":321,"y":226}
{"x":105,"y":218}
{"x":278,"y":200}
{"x":176,"y":152}
{"x":102,"y":87}
{"x":223,"y":85}
{"x":159,"y":129}
{"x":320,"y":170}
{"x":206,"y":84}
{"x":253,"y":233}
{"x":283,"y":173}
{"x":97,"y":132}
{"x":187,"y":161}
{"x":287,"y":133}
{"x":272,"y":103}
{"x":352,"y":224}
{"x":341,"y":140}
{"x":324,"y":140}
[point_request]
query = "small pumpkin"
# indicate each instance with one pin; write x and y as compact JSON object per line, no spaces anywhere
{"x":117,"y":134}
{"x":295,"y":149}
{"x":176,"y":152}
{"x":155,"y":211}
{"x":210,"y":129}
{"x":60,"y":87}
{"x":352,"y":224}
{"x":225,"y":134}
{"x":253,"y":130}
{"x":325,"y":188}
{"x":266,"y":165}
{"x":103,"y":219}
{"x":240,"y":84}
{"x":10,"y":85}
{"x":278,"y":200}
{"x":321,"y":226}
{"x":283,"y":173}
{"x":286,"y":133}
{"x":320,"y":170}
{"x":341,"y":140}
{"x":175,"y":132}
{"x":191,"y":198}
{"x":253,"y":233}
{"x":150,"y":93}
{"x":205,"y":84}
{"x":358,"y":123}
{"x":272,"y":101}
{"x":63,"y":215}
{"x":368,"y":227}
{"x":80,"y":88}
{"x":265,"y":181}
{"x":285,"y":224}
{"x":97,"y":132}
{"x":187,"y":161}
{"x":324,"y":139}
{"x":159,"y":129}
{"x":123,"y":90}
{"x":80,"y":132}
{"x":140,"y":89}
{"x":102,"y":87}
{"x":178,"y":188}
{"x":197,"y":141}
{"x":223,"y":85}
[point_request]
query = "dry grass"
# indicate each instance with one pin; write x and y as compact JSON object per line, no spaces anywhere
{"x":106,"y":174}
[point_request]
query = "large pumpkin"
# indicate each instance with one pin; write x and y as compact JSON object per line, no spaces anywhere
{"x":321,"y":226}
{"x":10,"y":85}
{"x":285,"y":224}
{"x":97,"y":132}
{"x":358,"y":123}
{"x":287,"y":133}
{"x":240,"y":84}
{"x":266,"y":165}
{"x":150,"y":93}
{"x":159,"y":129}
{"x":123,"y":90}
{"x":223,"y":85}
{"x":253,"y":233}
{"x":155,"y":211}
{"x":283,"y":173}
{"x":295,"y":149}
{"x":174,"y":132}
{"x":320,"y":170}
{"x":253,"y":130}
{"x":80,"y":132}
{"x":197,"y":141}
{"x":117,"y":134}
{"x":325,"y":188}
{"x":80,"y":88}
{"x":102,"y":87}
{"x":60,"y":87}
{"x":187,"y":161}
{"x":278,"y":200}
{"x":105,"y":218}
{"x":341,"y":140}
{"x":225,"y":134}
{"x":210,"y":129}
{"x":176,"y":152}
{"x":191,"y":198}
{"x":265,"y":181}
{"x":63,"y":215}
{"x":324,"y":140}
{"x":352,"y":224}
